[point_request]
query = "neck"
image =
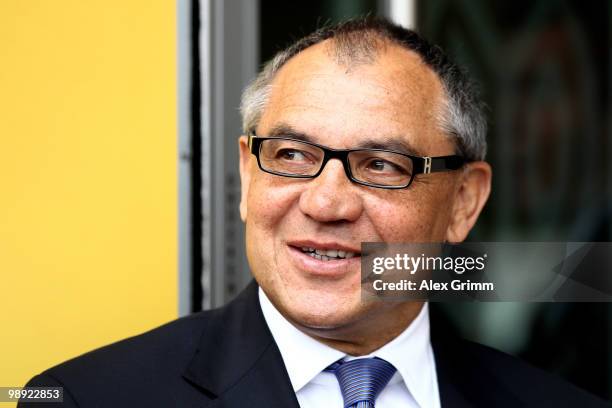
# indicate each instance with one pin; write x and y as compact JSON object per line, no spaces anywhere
{"x":368,"y":334}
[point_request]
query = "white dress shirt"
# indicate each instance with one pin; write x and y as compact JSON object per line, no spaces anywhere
{"x":414,"y":384}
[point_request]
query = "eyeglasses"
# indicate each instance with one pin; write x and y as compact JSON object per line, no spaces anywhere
{"x":369,"y":167}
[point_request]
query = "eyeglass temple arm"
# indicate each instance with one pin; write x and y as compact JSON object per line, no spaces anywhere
{"x":251,"y":137}
{"x":434,"y":164}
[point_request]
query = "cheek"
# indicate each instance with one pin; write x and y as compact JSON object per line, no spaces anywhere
{"x":269,"y":204}
{"x":395,"y":221}
{"x":408,"y":217}
{"x":270,"y":199}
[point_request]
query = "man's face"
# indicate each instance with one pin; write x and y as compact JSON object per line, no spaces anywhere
{"x":396,"y":100}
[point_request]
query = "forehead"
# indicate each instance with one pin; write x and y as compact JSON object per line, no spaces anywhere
{"x":395,"y":95}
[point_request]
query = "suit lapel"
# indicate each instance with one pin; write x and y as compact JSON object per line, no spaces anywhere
{"x":266,"y":385}
{"x":449,"y":386}
{"x":465,"y":377}
{"x":238,"y":363}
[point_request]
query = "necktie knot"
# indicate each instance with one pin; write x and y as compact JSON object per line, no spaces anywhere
{"x":361,"y":380}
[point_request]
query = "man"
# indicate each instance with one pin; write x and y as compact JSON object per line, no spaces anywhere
{"x":357,"y":133}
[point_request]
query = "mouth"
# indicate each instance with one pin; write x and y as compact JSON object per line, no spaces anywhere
{"x":329,"y":260}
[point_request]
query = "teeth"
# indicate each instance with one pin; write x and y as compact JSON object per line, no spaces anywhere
{"x":332,"y":253}
{"x":327,"y":255}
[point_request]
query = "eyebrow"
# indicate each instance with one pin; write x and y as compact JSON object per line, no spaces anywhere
{"x":394,"y":143}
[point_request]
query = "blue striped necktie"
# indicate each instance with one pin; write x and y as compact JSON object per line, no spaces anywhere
{"x":361,"y":380}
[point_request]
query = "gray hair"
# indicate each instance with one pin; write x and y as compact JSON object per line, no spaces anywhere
{"x":357,"y":42}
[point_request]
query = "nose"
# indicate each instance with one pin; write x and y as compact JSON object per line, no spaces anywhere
{"x":331,"y":196}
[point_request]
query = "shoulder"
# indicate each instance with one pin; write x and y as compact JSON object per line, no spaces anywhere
{"x":177,"y":364}
{"x":483,"y":368}
{"x":136,"y":364}
{"x":162,"y":346}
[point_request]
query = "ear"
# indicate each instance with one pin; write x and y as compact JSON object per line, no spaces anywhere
{"x":245,"y":174}
{"x":471,"y":195}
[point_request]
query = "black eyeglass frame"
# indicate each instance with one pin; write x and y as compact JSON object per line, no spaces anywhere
{"x":420,"y":165}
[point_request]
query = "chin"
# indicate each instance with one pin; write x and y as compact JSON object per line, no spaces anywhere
{"x":322,"y":314}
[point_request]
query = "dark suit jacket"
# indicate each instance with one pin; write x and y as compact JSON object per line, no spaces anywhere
{"x":228,"y":358}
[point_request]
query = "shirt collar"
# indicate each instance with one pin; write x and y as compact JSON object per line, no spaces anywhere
{"x":412,"y":355}
{"x":305,"y":357}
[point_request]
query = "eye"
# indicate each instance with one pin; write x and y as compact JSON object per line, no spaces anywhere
{"x":383,"y":166}
{"x":378,"y":165}
{"x":291,"y":155}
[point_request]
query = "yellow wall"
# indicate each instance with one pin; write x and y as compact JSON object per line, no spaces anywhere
{"x":88,"y":207}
